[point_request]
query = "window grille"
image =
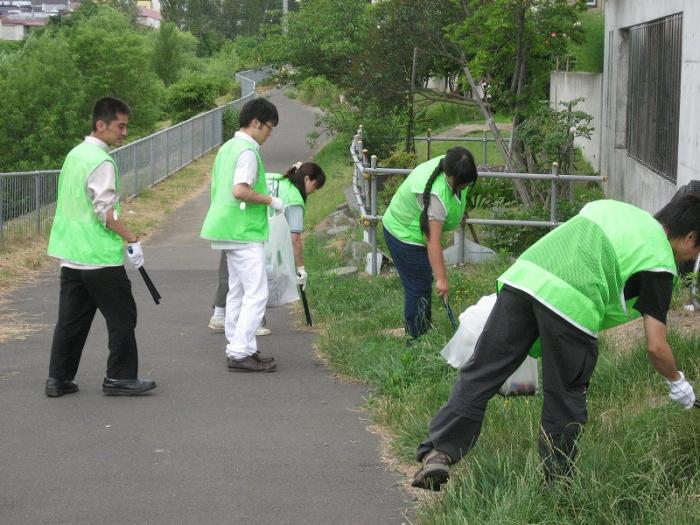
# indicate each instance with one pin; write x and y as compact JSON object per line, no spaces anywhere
{"x":653,"y":95}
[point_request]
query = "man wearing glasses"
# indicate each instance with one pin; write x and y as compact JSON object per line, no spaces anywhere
{"x":237,"y":224}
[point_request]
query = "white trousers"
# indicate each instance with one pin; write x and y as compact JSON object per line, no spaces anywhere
{"x":246,"y":298}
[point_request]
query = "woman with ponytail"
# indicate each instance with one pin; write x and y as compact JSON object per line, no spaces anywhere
{"x":431,"y":200}
{"x":292,"y":188}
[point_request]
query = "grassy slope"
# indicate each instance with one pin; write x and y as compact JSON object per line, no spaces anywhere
{"x":639,"y":458}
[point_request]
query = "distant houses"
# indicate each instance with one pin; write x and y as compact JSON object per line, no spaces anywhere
{"x":18,"y":18}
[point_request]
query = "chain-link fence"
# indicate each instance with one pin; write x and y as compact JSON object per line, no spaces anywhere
{"x":27,"y":199}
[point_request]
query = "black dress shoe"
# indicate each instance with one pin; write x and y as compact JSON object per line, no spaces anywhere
{"x":127,"y":387}
{"x":56,"y":387}
{"x":263,"y":358}
{"x":250,"y":364}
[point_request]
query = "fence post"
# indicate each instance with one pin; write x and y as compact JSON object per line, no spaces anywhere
{"x":486,"y":148}
{"x":460,"y":241}
{"x":136,"y":171}
{"x":167,"y":153}
{"x":150,"y":161}
{"x":2,"y":210}
{"x":365,"y":182}
{"x":553,"y":196}
{"x":37,"y":202}
{"x":429,"y":141}
{"x":181,"y":126}
{"x":373,"y":211}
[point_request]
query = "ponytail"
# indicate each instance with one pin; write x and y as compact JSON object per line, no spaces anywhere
{"x":298,"y":171}
{"x":458,"y":163}
{"x":426,"y":199}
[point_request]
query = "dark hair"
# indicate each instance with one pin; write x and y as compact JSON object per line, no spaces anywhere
{"x":681,"y":216}
{"x":258,"y":108}
{"x":458,"y":163}
{"x":307,"y":169}
{"x":106,"y":110}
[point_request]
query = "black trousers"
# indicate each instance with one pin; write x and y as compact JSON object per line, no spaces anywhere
{"x":569,"y":356}
{"x":83,"y":292}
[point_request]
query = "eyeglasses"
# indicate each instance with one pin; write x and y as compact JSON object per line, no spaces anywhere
{"x":267,"y":125}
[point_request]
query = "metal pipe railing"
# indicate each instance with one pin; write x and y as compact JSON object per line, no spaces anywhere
{"x":365,"y":185}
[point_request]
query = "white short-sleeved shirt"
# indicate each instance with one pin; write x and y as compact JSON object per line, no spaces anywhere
{"x":245,"y":172}
{"x":295,"y":218}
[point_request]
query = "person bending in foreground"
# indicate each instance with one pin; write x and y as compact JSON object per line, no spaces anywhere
{"x":87,"y":236}
{"x":237,"y":223}
{"x":431,"y":200}
{"x":609,"y":264}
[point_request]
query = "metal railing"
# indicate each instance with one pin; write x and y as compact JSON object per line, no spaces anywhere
{"x":27,"y":199}
{"x":366,"y":192}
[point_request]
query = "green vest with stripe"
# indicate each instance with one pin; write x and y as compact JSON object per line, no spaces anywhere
{"x":579,"y":269}
{"x":77,"y":235}
{"x":229,"y":219}
{"x":402,"y":218}
{"x":282,"y":187}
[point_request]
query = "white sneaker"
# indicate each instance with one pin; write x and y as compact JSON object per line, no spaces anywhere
{"x":216,"y":324}
{"x":263,"y":331}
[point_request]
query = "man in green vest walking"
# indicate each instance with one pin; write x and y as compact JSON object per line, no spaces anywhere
{"x":607,"y":265}
{"x":87,"y":237}
{"x":237,"y":223}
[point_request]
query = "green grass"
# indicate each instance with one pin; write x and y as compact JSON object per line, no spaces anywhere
{"x":336,"y":164}
{"x":493,"y":154}
{"x":639,"y":455}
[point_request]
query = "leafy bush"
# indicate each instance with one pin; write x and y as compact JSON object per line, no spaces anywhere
{"x":379,"y":126}
{"x":390,"y":183}
{"x":230,"y":122}
{"x":516,"y":239}
{"x":318,"y":91}
{"x":442,"y":114}
{"x":191,"y":96}
{"x":548,"y":135}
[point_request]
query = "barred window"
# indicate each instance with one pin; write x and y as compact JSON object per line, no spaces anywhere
{"x":653,"y":96}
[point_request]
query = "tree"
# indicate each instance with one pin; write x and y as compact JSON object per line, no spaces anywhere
{"x":42,"y":94}
{"x":515,"y":49}
{"x":115,"y":60}
{"x":169,"y":50}
{"x":323,"y":38}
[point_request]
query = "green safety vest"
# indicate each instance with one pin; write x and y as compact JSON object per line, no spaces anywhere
{"x":77,"y":235}
{"x":579,"y":269}
{"x":282,"y":187}
{"x":226,"y":220}
{"x":402,"y":218}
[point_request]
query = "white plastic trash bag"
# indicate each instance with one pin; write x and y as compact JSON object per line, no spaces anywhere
{"x":523,"y":382}
{"x":461,"y":347}
{"x":471,"y":323}
{"x":279,"y":260}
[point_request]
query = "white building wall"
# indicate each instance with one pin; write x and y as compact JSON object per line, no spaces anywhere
{"x":567,"y":86}
{"x":11,"y":32}
{"x":628,"y":179}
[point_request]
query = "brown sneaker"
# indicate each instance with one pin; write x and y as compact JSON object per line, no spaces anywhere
{"x":249,"y":364}
{"x":263,"y":358}
{"x":434,"y":471}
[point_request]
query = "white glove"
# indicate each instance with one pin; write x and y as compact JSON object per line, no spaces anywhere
{"x":302,"y":276}
{"x":682,"y":392}
{"x":135,"y":254}
{"x":276,"y":203}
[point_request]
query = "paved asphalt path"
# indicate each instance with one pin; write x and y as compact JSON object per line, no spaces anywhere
{"x":208,"y":446}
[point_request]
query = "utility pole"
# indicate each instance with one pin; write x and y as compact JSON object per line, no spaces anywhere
{"x":285,"y":10}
